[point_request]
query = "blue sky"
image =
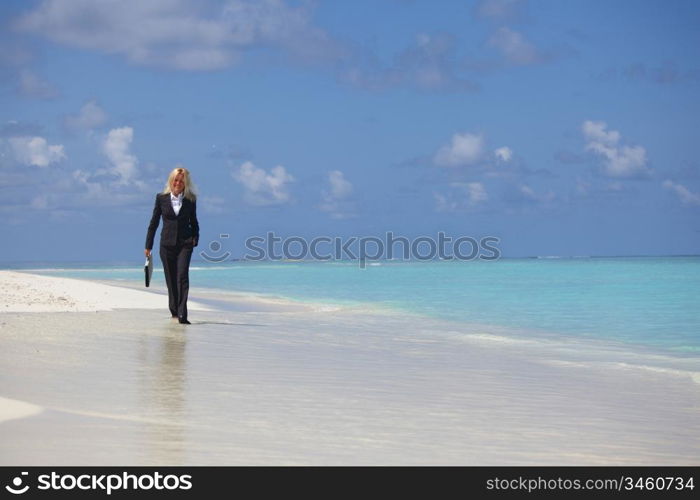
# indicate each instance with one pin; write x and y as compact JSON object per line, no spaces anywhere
{"x":561,"y":127}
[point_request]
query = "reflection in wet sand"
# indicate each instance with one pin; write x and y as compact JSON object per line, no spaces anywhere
{"x":162,"y":378}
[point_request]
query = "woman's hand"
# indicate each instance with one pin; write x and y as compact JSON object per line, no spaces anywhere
{"x":147,"y":252}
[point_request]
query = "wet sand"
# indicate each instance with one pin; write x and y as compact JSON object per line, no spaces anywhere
{"x":255,"y":382}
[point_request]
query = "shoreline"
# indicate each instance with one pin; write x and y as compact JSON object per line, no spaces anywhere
{"x":280,"y":384}
{"x":91,"y":295}
{"x":221,"y":301}
{"x":628,"y":331}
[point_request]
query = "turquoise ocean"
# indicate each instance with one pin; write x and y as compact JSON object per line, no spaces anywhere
{"x":646,"y":301}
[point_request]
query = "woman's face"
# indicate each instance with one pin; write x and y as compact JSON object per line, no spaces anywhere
{"x":178,"y":185}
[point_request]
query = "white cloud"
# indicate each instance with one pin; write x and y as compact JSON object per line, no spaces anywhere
{"x":91,"y":116}
{"x":514,"y":47}
{"x":97,"y":189}
{"x":464,"y":150}
{"x":476,"y":193}
{"x":264,"y":188}
{"x":686,"y":196}
{"x":340,"y":187}
{"x":67,"y":190}
{"x":595,"y":132}
{"x":116,"y":147}
{"x":335,"y":200}
{"x":504,"y":154}
{"x":119,"y":183}
{"x":462,"y":196}
{"x":620,"y":161}
{"x":36,"y":151}
{"x":93,"y":190}
{"x":180,"y":34}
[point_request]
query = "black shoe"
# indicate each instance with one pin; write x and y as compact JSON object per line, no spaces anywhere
{"x":183,"y":321}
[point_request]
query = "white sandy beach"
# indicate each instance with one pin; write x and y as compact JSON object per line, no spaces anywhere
{"x":94,"y":374}
{"x":22,"y":292}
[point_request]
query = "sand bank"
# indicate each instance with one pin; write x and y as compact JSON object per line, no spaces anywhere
{"x":11,"y":409}
{"x":24,"y":292}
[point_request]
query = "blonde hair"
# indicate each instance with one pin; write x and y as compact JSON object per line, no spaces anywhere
{"x":190,"y":190}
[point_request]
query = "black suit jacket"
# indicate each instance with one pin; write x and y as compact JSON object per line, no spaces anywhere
{"x":177,"y":229}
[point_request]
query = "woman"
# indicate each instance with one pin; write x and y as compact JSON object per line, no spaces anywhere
{"x":177,"y":205}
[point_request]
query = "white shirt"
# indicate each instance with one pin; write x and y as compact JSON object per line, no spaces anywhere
{"x":177,"y":202}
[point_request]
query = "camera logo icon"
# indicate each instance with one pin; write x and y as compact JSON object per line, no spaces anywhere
{"x":17,"y":483}
{"x":215,"y":247}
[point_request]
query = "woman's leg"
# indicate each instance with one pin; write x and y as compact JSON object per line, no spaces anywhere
{"x":168,"y":256}
{"x":184,"y":255}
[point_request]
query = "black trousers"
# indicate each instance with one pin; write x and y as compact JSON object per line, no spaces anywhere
{"x":176,"y":266}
